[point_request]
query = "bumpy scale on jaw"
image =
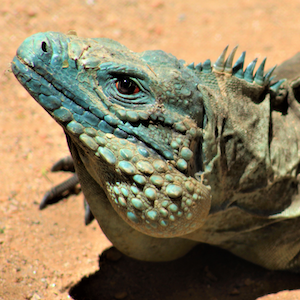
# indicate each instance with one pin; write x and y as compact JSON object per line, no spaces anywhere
{"x":141,"y":138}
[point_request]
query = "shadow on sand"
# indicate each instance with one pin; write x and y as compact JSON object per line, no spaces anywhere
{"x":205,"y":273}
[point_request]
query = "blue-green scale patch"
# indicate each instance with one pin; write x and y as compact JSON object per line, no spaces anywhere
{"x":88,"y":141}
{"x":145,"y":167}
{"x":90,"y":131}
{"x":82,"y":101}
{"x":140,"y":179}
{"x":174,"y":191}
{"x":143,"y":151}
{"x":126,"y":128}
{"x":132,"y":116}
{"x":173,"y":207}
{"x":157,"y":180}
{"x":107,"y":155}
{"x":75,"y":128}
{"x":112,"y":120}
{"x":116,"y":190}
{"x":47,"y":90}
{"x":80,"y":119}
{"x":76,"y":108}
{"x":186,"y":153}
{"x":163,"y":223}
{"x":122,"y":201}
{"x":127,"y":167}
{"x":126,"y":154}
{"x":137,"y":203}
{"x":181,"y":164}
{"x":189,"y":202}
{"x":72,"y":106}
{"x":131,"y":216}
{"x":143,"y":115}
{"x":63,"y":115}
{"x":152,"y":215}
{"x":172,"y":218}
{"x":49,"y":102}
{"x":189,"y":216}
{"x":124,"y":192}
{"x":150,"y":193}
{"x":120,"y":133}
{"x":97,"y":112}
{"x":189,"y":186}
{"x":159,"y":166}
{"x":132,"y":139}
{"x":168,"y":155}
{"x":134,"y":189}
{"x":90,"y":118}
{"x":57,"y":85}
{"x":100,"y":140}
{"x":169,"y":178}
{"x":165,"y":203}
{"x":104,"y":127}
{"x":163,"y":212}
{"x":35,"y":85}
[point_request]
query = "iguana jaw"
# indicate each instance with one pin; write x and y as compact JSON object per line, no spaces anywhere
{"x":143,"y":184}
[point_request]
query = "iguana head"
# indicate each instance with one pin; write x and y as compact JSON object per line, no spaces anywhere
{"x":136,"y":119}
{"x":144,"y":124}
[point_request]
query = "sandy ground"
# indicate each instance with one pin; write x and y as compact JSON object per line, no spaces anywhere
{"x":50,"y":254}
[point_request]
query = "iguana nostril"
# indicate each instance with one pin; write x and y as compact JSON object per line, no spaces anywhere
{"x":44,"y":46}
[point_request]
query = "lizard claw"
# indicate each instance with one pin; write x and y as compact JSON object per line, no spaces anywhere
{"x":61,"y":191}
{"x":65,"y":189}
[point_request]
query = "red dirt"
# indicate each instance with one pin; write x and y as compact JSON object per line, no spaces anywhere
{"x":47,"y":254}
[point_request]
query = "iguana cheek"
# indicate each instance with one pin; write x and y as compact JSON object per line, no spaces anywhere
{"x":147,"y":192}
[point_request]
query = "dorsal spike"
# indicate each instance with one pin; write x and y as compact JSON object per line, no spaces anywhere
{"x":238,"y":67}
{"x":272,"y":78}
{"x":268,"y":75}
{"x":207,"y":66}
{"x":191,"y":66}
{"x":219,"y":64}
{"x":259,"y":75}
{"x":229,"y":61}
{"x":199,"y":67}
{"x":275,"y":87}
{"x":248,"y":74}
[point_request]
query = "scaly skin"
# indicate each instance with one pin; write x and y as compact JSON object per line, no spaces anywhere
{"x":170,"y":155}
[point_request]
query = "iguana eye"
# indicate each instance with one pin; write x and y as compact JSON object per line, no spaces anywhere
{"x":127,"y":86}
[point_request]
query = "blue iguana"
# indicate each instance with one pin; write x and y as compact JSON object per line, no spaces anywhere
{"x":170,"y":155}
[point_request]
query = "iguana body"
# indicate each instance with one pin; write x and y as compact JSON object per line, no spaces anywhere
{"x":170,"y":155}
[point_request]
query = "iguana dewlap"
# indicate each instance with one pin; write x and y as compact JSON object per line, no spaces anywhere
{"x":169,"y":155}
